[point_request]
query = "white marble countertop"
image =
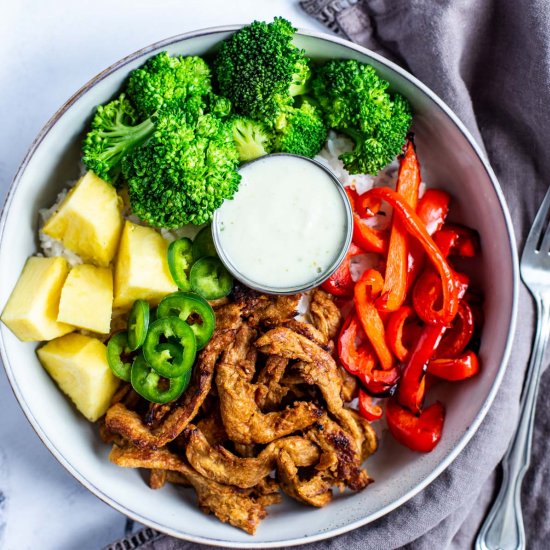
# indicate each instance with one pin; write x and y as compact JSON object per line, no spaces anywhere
{"x":50,"y":50}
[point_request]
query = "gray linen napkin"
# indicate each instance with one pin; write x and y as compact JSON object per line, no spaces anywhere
{"x":490,"y":61}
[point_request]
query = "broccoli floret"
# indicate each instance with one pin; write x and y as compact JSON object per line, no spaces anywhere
{"x":260,"y":70}
{"x":184,"y":172}
{"x":300,"y":131}
{"x":355,"y":101}
{"x":169,"y":80}
{"x":252,"y":138}
{"x":218,"y":105}
{"x":114,"y":132}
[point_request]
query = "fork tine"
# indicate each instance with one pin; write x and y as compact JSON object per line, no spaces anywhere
{"x":545,"y":246}
{"x":539,"y":226}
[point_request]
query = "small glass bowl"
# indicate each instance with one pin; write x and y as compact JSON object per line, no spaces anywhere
{"x":318,"y":279}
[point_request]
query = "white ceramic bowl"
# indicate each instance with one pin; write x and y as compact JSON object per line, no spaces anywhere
{"x":450,"y":160}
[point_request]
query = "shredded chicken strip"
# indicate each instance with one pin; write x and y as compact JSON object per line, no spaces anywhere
{"x":350,"y":386}
{"x":212,"y":428}
{"x":316,"y":367}
{"x":325,"y":314}
{"x":243,"y":420}
{"x":217,"y":463}
{"x":228,"y":504}
{"x":157,"y":478}
{"x":261,"y":309}
{"x":311,"y":333}
{"x":315,"y":491}
{"x":270,"y":391}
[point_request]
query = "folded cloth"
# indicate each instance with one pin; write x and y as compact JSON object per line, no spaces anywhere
{"x":490,"y":61}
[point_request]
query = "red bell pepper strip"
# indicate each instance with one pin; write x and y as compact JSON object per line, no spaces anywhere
{"x":359,"y":359}
{"x":354,"y":354}
{"x":395,"y":329}
{"x":395,"y":278}
{"x":367,"y":409}
{"x":410,"y":392}
{"x":458,"y":334}
{"x":419,"y":433}
{"x":364,"y":236}
{"x":380,"y":383}
{"x":368,"y":238}
{"x":457,"y":240}
{"x":459,"y":368}
{"x":367,"y":207}
{"x":353,"y":197}
{"x":363,"y":205}
{"x":366,"y":289}
{"x":432,"y":209}
{"x":427,"y":293}
{"x":340,"y":282}
{"x":416,"y":228}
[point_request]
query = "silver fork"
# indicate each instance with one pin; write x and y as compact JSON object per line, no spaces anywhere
{"x":503,"y":529}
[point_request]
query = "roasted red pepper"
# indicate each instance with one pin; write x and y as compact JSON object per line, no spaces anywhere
{"x":364,"y":236}
{"x":416,"y":228}
{"x":419,"y":433}
{"x":458,"y":368}
{"x":367,"y":238}
{"x":358,"y":358}
{"x":362,"y":205}
{"x":395,"y":278}
{"x":396,"y":332}
{"x":432,"y":209}
{"x":367,"y":207}
{"x":367,"y":288}
{"x":427,"y":294}
{"x":355,"y":354}
{"x":411,"y":386}
{"x":353,"y":196}
{"x":367,"y":409}
{"x":340,"y":282}
{"x":457,"y":240}
{"x":458,"y":334}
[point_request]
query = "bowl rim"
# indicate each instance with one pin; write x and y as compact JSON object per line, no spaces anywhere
{"x":472,"y":428}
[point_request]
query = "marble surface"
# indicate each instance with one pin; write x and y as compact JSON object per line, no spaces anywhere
{"x":50,"y":49}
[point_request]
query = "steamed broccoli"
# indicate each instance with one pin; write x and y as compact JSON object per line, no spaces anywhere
{"x":184,"y":172}
{"x":114,"y":132}
{"x":260,"y":70}
{"x":252,"y":138}
{"x":218,"y":105}
{"x":300,"y":131}
{"x":127,"y":122}
{"x":169,"y":80}
{"x":355,"y":101}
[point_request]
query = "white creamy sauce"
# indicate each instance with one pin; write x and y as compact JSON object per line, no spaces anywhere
{"x":286,"y":225}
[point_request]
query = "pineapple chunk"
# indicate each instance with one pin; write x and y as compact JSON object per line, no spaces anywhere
{"x":31,"y":311}
{"x":89,"y":220}
{"x":141,"y":267}
{"x":87,"y":298}
{"x":78,"y":364}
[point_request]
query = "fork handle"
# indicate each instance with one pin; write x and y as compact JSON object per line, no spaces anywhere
{"x":503,"y":528}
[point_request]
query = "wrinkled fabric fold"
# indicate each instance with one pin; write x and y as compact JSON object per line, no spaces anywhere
{"x":489,"y":60}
